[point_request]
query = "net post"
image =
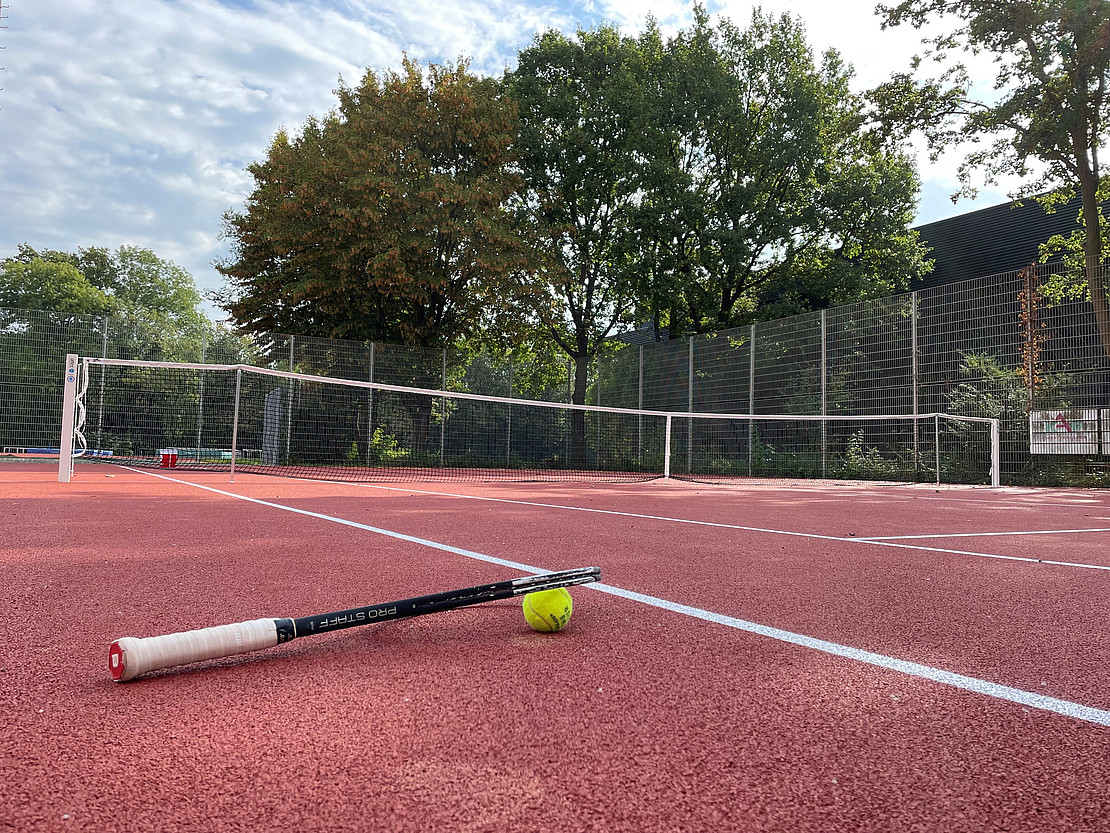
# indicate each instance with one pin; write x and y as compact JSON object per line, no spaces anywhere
{"x":69,"y":410}
{"x":235,"y":424}
{"x":667,"y":451}
{"x":996,"y":455}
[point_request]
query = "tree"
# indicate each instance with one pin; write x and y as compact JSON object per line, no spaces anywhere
{"x":385,"y":220}
{"x":40,"y":284}
{"x":144,"y":285}
{"x":581,"y":103}
{"x":770,"y":194}
{"x":132,"y":281}
{"x":1053,"y":99}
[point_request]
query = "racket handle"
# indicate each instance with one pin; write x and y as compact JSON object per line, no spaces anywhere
{"x":129,"y":657}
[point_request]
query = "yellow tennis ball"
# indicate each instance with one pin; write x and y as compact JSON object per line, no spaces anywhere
{"x":548,"y":611}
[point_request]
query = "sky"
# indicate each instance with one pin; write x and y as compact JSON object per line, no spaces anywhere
{"x":132,"y":122}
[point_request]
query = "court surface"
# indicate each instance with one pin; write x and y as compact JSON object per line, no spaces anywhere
{"x":779,"y":657}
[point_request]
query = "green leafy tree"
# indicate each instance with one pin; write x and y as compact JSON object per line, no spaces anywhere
{"x":769,"y":193}
{"x":1048,"y":119}
{"x":38,"y":284}
{"x":385,"y":220}
{"x":144,"y":284}
{"x":580,"y":103}
{"x":154,"y":305}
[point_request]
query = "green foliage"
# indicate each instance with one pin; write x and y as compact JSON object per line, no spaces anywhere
{"x":386,"y":220}
{"x":859,"y":462}
{"x":135,"y":281}
{"x":581,"y":104}
{"x":659,"y":182}
{"x":1047,"y":117}
{"x":50,"y":285}
{"x":738,"y":225}
{"x":385,"y":449}
{"x":352,"y":453}
{"x":986,"y":388}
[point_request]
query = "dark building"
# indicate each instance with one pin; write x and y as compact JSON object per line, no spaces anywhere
{"x":1002,"y":238}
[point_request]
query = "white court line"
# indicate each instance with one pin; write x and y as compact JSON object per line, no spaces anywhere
{"x":1030,"y":699}
{"x":878,"y":542}
{"x":980,"y":534}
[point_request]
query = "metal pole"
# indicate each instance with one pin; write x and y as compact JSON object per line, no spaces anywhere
{"x":751,"y":399}
{"x":640,"y":407}
{"x":69,"y":415}
{"x":936,"y":439}
{"x":289,"y":404}
{"x":200,"y":391}
{"x":597,"y":419}
{"x":667,"y":451}
{"x":370,"y":413}
{"x":996,"y":455}
{"x":509,"y":424}
{"x":914,"y":379}
{"x":690,"y":406}
{"x":100,"y":406}
{"x":235,"y":424}
{"x":443,"y":411}
{"x":824,"y":396}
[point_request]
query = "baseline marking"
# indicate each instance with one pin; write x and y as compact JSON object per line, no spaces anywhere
{"x":1031,"y":699}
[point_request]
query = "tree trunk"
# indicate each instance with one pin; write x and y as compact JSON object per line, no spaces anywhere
{"x":1092,"y":245}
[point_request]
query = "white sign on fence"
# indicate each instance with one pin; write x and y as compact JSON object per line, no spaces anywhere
{"x":1064,"y":431}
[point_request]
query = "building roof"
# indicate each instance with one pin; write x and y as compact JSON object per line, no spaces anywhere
{"x":1002,"y":238}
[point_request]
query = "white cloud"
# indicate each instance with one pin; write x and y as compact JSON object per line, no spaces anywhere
{"x":133,"y":122}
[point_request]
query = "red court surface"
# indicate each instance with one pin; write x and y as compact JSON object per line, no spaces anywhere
{"x":785,"y":657}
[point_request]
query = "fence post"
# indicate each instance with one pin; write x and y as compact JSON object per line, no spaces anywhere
{"x":235,"y":424}
{"x":100,"y":403}
{"x":751,"y":399}
{"x":914,"y":378}
{"x":640,"y":407}
{"x":824,"y":396}
{"x":370,"y":411}
{"x":509,"y":423}
{"x":443,"y":412}
{"x":200,"y":390}
{"x":690,"y":407}
{"x":289,"y":405}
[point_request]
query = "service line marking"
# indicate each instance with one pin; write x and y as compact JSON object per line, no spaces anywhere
{"x":981,"y":534}
{"x":878,"y":542}
{"x":1030,"y":699}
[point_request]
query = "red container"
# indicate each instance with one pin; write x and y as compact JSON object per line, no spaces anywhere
{"x":169,"y":457}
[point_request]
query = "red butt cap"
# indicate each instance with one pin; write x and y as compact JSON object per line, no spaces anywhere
{"x":115,"y":661}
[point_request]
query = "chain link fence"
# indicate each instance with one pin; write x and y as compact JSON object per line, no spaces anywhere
{"x":989,"y":347}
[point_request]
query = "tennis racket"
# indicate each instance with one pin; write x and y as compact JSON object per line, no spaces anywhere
{"x":129,"y":657}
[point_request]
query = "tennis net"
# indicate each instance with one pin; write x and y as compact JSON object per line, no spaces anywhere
{"x":250,"y":419}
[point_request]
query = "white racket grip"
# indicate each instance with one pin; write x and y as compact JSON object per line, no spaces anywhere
{"x":129,"y":657}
